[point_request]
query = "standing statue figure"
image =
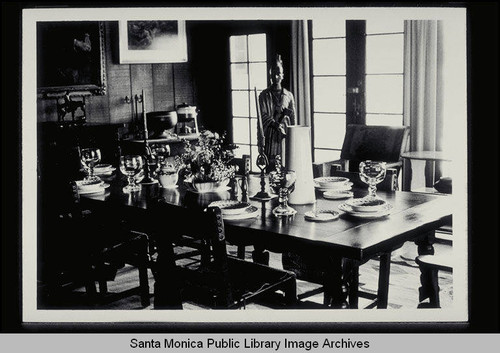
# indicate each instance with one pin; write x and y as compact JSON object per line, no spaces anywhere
{"x":277,"y":108}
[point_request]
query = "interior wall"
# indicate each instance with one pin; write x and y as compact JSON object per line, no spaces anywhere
{"x":204,"y":81}
{"x":164,"y":85}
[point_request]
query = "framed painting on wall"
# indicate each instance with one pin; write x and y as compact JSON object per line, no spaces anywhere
{"x":148,"y":42}
{"x":71,"y":57}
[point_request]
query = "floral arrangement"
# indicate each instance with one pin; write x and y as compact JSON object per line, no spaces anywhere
{"x":208,"y":159}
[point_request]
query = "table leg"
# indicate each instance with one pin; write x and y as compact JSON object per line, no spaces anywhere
{"x":335,"y":286}
{"x":383,"y":281}
{"x":260,"y":255}
{"x":351,"y":281}
{"x":428,"y":278}
{"x":166,"y":288}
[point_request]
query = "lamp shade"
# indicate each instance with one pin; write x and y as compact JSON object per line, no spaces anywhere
{"x":298,"y":157}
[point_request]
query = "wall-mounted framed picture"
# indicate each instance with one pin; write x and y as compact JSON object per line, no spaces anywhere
{"x":152,"y":41}
{"x":71,"y":57}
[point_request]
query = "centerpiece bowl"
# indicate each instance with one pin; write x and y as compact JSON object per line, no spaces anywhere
{"x":207,"y":186}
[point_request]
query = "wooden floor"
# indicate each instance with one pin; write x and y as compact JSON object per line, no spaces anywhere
{"x":403,"y":289}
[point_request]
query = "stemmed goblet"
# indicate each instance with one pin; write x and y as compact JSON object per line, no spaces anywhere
{"x":372,"y":173}
{"x":130,"y":166}
{"x":282,"y":182}
{"x":89,"y":158}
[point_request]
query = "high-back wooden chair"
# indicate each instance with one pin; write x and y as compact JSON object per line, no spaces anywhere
{"x":242,"y":164}
{"x":367,"y":142}
{"x":223,"y":282}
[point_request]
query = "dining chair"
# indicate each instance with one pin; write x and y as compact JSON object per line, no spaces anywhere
{"x":242,"y":165}
{"x":242,"y":171}
{"x":440,"y":261}
{"x":79,"y":247}
{"x":368,"y":142}
{"x":225,"y":281}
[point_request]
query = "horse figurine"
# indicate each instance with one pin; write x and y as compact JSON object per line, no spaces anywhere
{"x":70,"y":106}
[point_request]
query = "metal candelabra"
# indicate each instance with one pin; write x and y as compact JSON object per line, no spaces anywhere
{"x":147,"y":150}
{"x":262,"y":161}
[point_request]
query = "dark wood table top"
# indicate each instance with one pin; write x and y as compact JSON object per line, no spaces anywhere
{"x":414,"y":214}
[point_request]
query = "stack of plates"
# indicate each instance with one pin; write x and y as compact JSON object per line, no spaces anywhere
{"x":235,"y":210}
{"x":334,"y":187}
{"x":104,"y":169}
{"x":366,"y":208}
{"x":94,"y":187}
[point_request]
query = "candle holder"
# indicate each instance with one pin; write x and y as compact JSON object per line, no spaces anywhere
{"x":149,"y":158}
{"x":262,"y":161}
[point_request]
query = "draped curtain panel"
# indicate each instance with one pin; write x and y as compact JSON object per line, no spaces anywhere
{"x":300,"y":72}
{"x":423,"y":87}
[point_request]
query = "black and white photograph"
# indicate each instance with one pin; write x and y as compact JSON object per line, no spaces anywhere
{"x":223,"y":165}
{"x":152,"y":42}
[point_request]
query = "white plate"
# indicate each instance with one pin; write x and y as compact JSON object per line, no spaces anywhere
{"x":321,"y":215}
{"x":85,"y":186}
{"x":368,"y":215}
{"x":337,"y":194}
{"x":230,"y":207}
{"x":365,"y":205}
{"x":102,"y":166}
{"x":328,"y":181}
{"x":100,"y":190}
{"x":250,"y":212}
{"x":107,"y":171}
{"x":336,"y":187}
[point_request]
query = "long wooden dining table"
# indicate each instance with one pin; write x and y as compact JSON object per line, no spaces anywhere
{"x":346,"y":242}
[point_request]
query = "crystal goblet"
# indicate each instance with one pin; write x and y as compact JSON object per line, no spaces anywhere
{"x":282,"y":183}
{"x":89,"y":158}
{"x":131,"y":166}
{"x":372,"y":173}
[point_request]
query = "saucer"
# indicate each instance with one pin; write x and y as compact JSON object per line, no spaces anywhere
{"x":321,"y":215}
{"x":337,"y":194}
{"x":336,"y":186}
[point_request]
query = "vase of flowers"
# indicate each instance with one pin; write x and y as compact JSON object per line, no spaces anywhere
{"x":206,"y":166}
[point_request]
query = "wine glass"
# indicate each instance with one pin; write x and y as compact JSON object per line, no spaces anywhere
{"x":372,"y":173}
{"x":282,"y":182}
{"x":131,"y":166}
{"x":89,"y":158}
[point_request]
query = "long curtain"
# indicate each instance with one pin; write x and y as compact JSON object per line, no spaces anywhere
{"x":423,"y":99}
{"x":300,"y":72}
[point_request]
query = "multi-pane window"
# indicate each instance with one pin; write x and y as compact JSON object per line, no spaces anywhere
{"x":329,"y":88}
{"x":384,"y":72}
{"x":248,"y":71}
{"x":382,"y":80}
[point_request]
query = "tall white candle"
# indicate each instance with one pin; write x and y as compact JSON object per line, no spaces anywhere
{"x":260,"y":126}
